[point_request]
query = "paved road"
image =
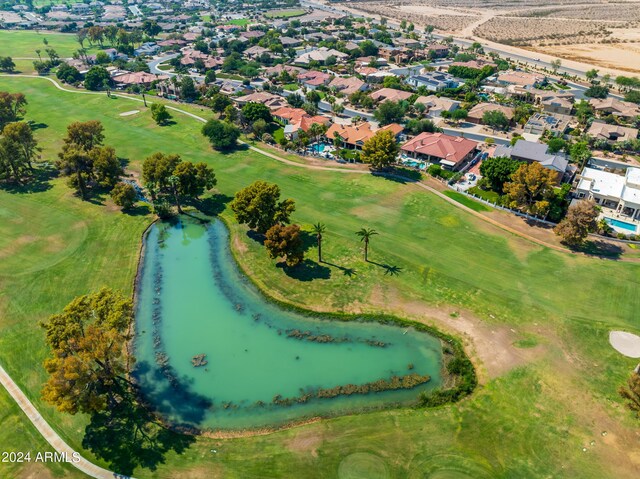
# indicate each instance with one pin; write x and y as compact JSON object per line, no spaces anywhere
{"x":153,"y":64}
{"x":52,"y":437}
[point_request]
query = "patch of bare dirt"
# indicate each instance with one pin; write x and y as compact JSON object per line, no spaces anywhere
{"x":490,"y":346}
{"x":306,"y":441}
{"x":34,"y":470}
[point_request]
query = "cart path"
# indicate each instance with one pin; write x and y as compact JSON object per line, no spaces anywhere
{"x":74,"y":458}
{"x":424,"y":186}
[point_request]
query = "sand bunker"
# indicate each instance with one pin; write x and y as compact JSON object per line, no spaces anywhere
{"x":129,"y":113}
{"x":625,"y":343}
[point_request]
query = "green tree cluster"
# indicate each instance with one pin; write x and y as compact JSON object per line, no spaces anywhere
{"x":259,"y":206}
{"x":85,"y":160}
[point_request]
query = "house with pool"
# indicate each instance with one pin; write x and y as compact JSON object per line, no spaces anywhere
{"x":617,"y":194}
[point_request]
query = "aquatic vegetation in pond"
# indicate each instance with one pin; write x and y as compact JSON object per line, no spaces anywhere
{"x":192,"y":300}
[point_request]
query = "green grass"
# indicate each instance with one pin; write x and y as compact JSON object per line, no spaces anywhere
{"x":23,"y":44}
{"x":465,"y":200}
{"x":278,"y":134}
{"x":241,"y":22}
{"x":291,"y":87}
{"x":526,"y":423}
{"x":287,"y":13}
{"x":488,"y":195}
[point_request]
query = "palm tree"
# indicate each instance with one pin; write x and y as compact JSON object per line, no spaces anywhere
{"x":365,"y":235}
{"x":319,"y":229}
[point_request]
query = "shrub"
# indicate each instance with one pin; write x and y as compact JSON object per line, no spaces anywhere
{"x":124,"y":195}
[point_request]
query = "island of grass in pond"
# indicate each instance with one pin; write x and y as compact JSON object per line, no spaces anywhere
{"x":212,"y":353}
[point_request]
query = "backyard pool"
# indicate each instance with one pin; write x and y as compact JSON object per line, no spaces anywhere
{"x":630,"y":227}
{"x":212,"y":352}
{"x":319,"y":147}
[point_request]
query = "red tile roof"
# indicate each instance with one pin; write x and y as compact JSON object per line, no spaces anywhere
{"x":438,"y":145}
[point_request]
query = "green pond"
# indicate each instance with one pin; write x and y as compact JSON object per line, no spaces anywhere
{"x":192,"y":300}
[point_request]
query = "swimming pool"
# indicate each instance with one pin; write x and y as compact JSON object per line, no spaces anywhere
{"x":621,"y":224}
{"x":318,"y":147}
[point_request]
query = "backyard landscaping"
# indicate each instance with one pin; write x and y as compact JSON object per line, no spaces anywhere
{"x":541,"y":414}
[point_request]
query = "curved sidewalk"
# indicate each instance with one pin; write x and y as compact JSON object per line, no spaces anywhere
{"x":50,"y":435}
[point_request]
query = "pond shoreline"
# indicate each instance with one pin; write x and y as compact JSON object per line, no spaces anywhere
{"x":451,"y":346}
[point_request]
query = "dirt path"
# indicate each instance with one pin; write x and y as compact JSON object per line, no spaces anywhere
{"x":74,"y":458}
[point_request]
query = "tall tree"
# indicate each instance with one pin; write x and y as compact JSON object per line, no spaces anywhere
{"x":319,"y":230}
{"x":365,"y":235}
{"x":75,"y":158}
{"x":87,"y":369}
{"x":285,"y":241}
{"x":580,"y":153}
{"x":581,"y":219}
{"x":222,"y":134}
{"x":498,"y":170}
{"x":160,"y":114}
{"x":496,"y":119}
{"x":12,"y":105}
{"x":20,"y":137}
{"x":381,"y":150}
{"x":389,"y":112}
{"x":531,"y":188}
{"x":259,"y":206}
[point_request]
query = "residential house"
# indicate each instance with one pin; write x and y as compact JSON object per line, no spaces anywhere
{"x":355,"y":136}
{"x":612,"y":133}
{"x":137,"y":78}
{"x":252,"y":34}
{"x":296,"y":119}
{"x":433,"y":81}
{"x":348,"y":85}
{"x":255,"y":52}
{"x":439,"y":51}
{"x":278,"y":69}
{"x":147,"y":49}
{"x":540,"y":122}
{"x":520,"y":78}
{"x":558,"y":104}
{"x":288,"y":42}
{"x":477,"y":112}
{"x":436,"y":105}
{"x":313,"y":79}
{"x":260,"y":97}
{"x":406,"y":43}
{"x":391,"y":94}
{"x":320,"y":55}
{"x":451,"y":152}
{"x":531,"y":151}
{"x":612,"y":106}
{"x":612,"y":191}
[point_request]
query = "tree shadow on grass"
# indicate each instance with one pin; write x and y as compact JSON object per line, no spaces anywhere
{"x":37,"y":126}
{"x":257,"y":237}
{"x":389,"y":270}
{"x":601,"y":248}
{"x":399,"y":175}
{"x":39,"y":182}
{"x":213,"y":205}
{"x":345,"y":271}
{"x":138,"y":210}
{"x":306,"y":271}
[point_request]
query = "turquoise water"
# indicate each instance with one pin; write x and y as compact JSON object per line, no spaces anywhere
{"x":621,"y":224}
{"x":192,"y":300}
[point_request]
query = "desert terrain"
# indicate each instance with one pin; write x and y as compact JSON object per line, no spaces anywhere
{"x":603,"y":33}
